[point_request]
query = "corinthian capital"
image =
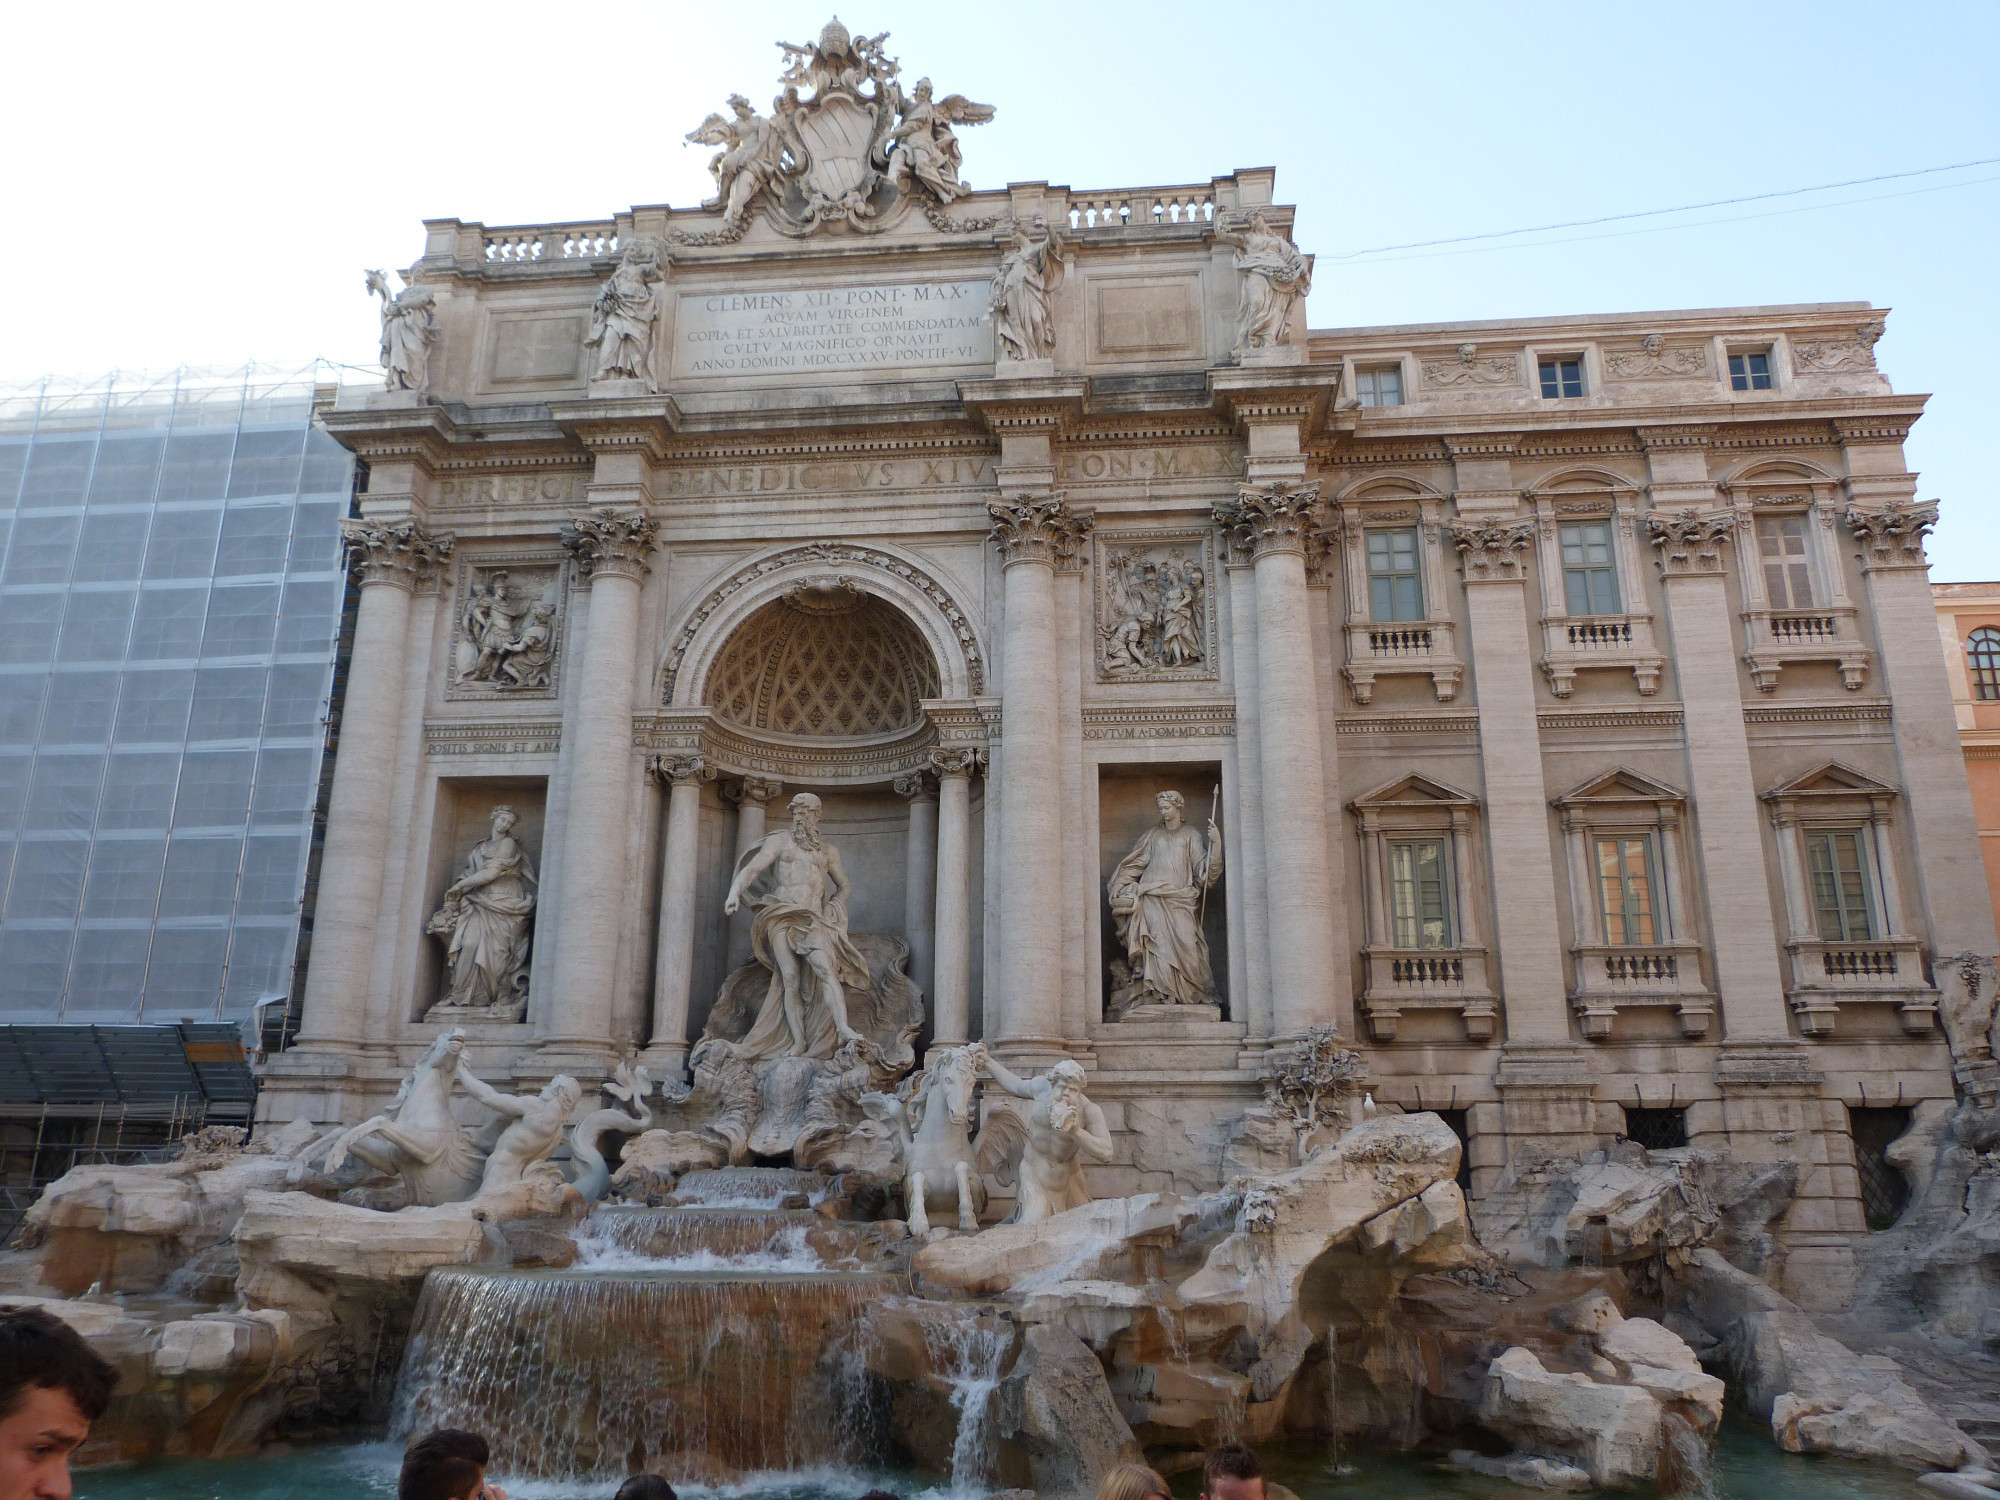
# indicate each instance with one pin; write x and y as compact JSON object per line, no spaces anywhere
{"x":610,"y":543}
{"x":1492,"y":549}
{"x":1893,"y":532}
{"x":402,"y":553}
{"x":947,"y":764}
{"x":1268,"y":518}
{"x":1690,"y":540}
{"x":1042,"y":529}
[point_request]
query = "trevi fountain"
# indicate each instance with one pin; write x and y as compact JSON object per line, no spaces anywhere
{"x":960,"y":852}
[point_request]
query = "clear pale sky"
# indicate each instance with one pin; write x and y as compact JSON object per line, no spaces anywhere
{"x":203,"y":183}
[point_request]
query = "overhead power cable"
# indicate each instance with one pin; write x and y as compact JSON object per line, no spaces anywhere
{"x":1652,"y":213}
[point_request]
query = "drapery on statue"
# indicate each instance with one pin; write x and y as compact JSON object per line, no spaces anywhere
{"x":1275,"y":276}
{"x":1031,"y":269}
{"x":484,"y":920}
{"x":1156,"y":902}
{"x":622,"y":318}
{"x":800,"y":935}
{"x":417,"y":1137}
{"x":1063,"y":1129}
{"x":924,"y":145}
{"x":409,"y":328}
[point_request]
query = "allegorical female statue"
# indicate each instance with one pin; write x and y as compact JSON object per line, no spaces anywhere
{"x":1030,"y":270}
{"x":1276,"y":275}
{"x":622,"y":318}
{"x":484,"y":920}
{"x":1156,"y":902}
{"x":409,"y":328}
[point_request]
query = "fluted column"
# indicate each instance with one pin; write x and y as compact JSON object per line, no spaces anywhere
{"x":673,"y":967}
{"x":920,"y":871}
{"x":1272,"y":521}
{"x":751,"y":795}
{"x":389,"y":561}
{"x":1032,"y":532}
{"x":951,"y":983}
{"x":611,"y":548}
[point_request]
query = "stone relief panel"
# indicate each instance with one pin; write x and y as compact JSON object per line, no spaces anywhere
{"x":1654,"y":359}
{"x":1155,"y":606}
{"x":1468,"y":367}
{"x":508,"y":621}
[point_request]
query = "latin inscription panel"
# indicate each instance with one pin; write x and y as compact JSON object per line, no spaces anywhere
{"x":838,"y":332}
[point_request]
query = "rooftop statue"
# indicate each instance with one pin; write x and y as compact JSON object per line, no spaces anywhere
{"x":622,"y":319}
{"x":1276,"y":278}
{"x":843,"y":142}
{"x":409,"y":328}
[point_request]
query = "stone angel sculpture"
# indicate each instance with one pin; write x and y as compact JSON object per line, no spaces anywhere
{"x":922,"y":145}
{"x":750,"y":160}
{"x":1276,"y":276}
{"x":409,"y":328}
{"x":1030,"y":271}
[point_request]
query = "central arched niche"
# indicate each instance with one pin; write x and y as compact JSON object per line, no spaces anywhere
{"x":825,"y":661}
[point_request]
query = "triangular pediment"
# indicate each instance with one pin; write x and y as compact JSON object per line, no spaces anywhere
{"x":1620,"y":785}
{"x":1415,"y":790}
{"x":1834,"y":779}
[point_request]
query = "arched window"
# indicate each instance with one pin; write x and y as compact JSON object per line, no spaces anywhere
{"x":1982,"y":654}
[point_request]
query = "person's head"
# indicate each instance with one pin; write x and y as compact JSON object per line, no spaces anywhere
{"x":564,"y":1090}
{"x":1173,"y":807}
{"x":1232,"y":1472}
{"x":742,"y":106}
{"x":805,"y":815}
{"x":52,"y":1387}
{"x":1133,"y":1482}
{"x":449,"y":1464}
{"x":504,"y":819}
{"x":645,"y":1487}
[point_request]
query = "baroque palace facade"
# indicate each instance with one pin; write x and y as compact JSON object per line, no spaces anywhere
{"x":1567,"y":690}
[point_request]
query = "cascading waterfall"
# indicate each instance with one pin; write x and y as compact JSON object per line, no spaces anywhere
{"x":966,"y":1349}
{"x":700,"y":1375}
{"x":708,"y":1239}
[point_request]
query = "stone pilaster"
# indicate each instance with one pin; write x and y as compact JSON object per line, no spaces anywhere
{"x":920,"y":790}
{"x":673,"y":965}
{"x":612,"y":548}
{"x":951,"y":999}
{"x":1243,"y":801}
{"x":1033,"y":532}
{"x":1743,"y":944}
{"x":1271,"y":521}
{"x":391,"y":562}
{"x":1890,"y":526}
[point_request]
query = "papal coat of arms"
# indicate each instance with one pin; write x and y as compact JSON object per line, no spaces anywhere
{"x":843,"y":142}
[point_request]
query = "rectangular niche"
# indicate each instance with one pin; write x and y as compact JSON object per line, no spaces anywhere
{"x":1126,"y":811}
{"x":464,"y":821}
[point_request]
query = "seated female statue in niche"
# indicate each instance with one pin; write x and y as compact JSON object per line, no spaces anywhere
{"x":1156,"y":902}
{"x":485,"y":924}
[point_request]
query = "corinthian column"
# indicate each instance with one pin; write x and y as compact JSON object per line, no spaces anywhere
{"x":1271,"y":521}
{"x":751,"y":795}
{"x":919,"y":871}
{"x":1033,"y":533}
{"x":673,"y":968}
{"x":389,"y":561}
{"x":611,"y":549}
{"x":951,"y":999}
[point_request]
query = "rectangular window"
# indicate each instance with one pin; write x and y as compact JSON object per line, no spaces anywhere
{"x":1394,"y":590}
{"x":1781,"y":546}
{"x":1381,"y":386}
{"x":1561,"y":377}
{"x":1750,"y":372}
{"x":1838,"y":865}
{"x":1625,"y":890}
{"x":1417,"y":875}
{"x":1590,"y":578}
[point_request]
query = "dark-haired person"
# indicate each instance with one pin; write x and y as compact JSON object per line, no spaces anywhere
{"x":645,"y":1487}
{"x":449,"y":1464}
{"x":1232,"y":1472}
{"x":52,"y":1387}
